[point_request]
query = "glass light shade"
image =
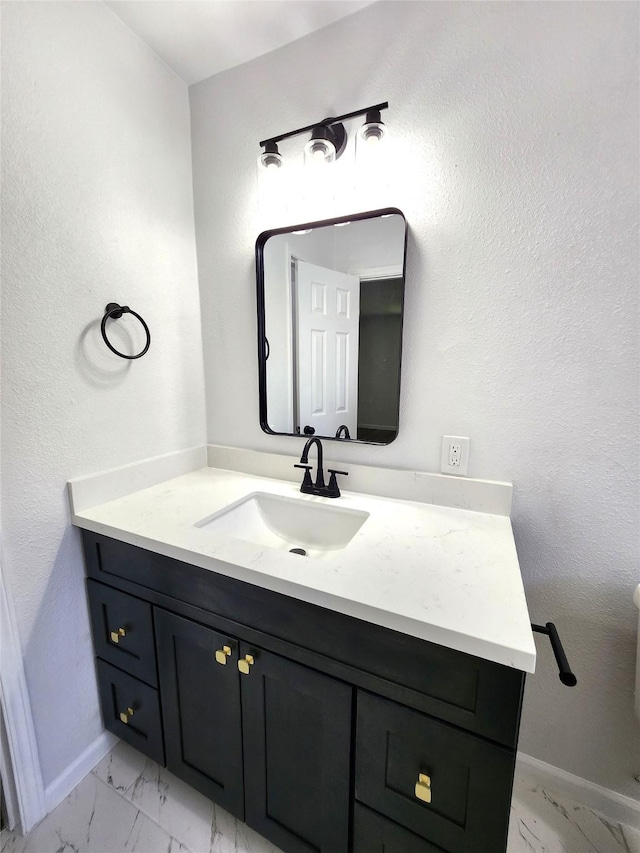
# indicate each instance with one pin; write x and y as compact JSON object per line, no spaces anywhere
{"x":371,"y":144}
{"x":373,"y":162}
{"x":372,"y":133}
{"x":319,"y":179}
{"x":273,"y":189}
{"x":319,"y":152}
{"x":270,"y":160}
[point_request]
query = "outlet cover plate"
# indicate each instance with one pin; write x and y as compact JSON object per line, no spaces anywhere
{"x":455,"y":448}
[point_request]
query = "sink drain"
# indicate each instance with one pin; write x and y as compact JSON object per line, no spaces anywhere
{"x":300,"y":551}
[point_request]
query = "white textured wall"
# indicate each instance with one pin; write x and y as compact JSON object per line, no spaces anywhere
{"x":97,"y":206}
{"x":516,"y":125}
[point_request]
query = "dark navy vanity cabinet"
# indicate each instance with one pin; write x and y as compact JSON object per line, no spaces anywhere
{"x":326,"y":734}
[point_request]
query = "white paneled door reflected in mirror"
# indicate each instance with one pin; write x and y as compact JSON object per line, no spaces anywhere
{"x":330,"y":305}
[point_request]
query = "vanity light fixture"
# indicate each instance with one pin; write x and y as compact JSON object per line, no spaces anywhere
{"x":328,"y":137}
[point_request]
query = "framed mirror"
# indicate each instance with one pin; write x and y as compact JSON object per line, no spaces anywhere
{"x":330,"y":308}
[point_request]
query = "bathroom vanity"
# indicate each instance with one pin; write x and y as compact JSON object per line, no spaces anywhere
{"x":364,"y":699}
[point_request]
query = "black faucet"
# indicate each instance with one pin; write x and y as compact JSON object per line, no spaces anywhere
{"x":343,"y":432}
{"x":308,"y":487}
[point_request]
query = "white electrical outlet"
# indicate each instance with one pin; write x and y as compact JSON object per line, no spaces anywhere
{"x":455,"y":455}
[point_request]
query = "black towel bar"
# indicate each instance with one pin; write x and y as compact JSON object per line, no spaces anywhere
{"x":564,"y":670}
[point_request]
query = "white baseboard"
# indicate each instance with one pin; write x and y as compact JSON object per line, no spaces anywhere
{"x":610,"y":803}
{"x":64,"y":784}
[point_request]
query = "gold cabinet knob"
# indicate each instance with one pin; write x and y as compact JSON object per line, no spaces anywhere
{"x":124,"y":716}
{"x":115,"y":635}
{"x":222,"y":655}
{"x":423,"y":788}
{"x":245,"y":664}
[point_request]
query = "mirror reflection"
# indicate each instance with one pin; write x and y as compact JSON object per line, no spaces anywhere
{"x":330,"y":302}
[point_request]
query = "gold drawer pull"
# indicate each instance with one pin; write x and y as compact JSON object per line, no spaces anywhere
{"x":245,"y":664}
{"x":115,"y":635}
{"x":423,"y":788}
{"x":222,"y":655}
{"x":124,"y":716}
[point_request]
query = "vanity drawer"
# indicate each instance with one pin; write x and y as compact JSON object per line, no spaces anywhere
{"x":373,"y":833}
{"x":467,"y":780}
{"x":123,"y":631}
{"x":131,"y":710}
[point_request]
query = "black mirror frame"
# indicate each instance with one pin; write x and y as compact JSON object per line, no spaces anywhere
{"x":263,"y":344}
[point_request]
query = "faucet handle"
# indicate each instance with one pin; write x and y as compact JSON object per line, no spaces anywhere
{"x":333,"y":491}
{"x":307,"y":484}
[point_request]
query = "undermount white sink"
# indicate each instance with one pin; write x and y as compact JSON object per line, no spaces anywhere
{"x":274,"y":521}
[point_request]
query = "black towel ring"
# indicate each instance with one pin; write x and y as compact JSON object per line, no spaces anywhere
{"x":115,"y":311}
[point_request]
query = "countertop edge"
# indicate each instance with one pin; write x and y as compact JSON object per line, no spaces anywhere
{"x":514,"y":658}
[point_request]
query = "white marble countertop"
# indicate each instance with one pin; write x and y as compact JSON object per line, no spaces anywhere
{"x":450,"y":576}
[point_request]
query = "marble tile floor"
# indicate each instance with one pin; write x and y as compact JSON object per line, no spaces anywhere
{"x":129,"y":803}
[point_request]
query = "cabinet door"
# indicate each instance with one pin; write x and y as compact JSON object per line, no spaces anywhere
{"x":201,"y":708}
{"x":297,"y":734}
